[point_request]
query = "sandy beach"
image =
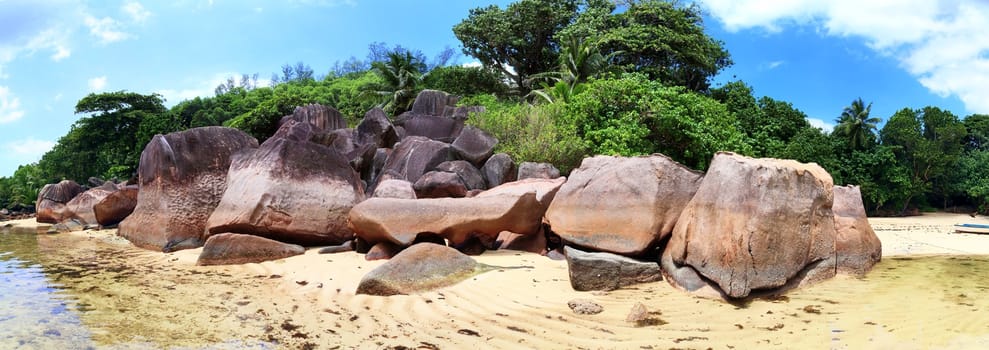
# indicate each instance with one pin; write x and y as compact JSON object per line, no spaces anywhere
{"x":926,"y":293}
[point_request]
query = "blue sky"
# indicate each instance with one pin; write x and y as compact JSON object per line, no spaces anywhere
{"x":819,"y":55}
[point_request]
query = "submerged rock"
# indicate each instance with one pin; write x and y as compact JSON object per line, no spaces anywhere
{"x":233,"y":248}
{"x":419,"y":268}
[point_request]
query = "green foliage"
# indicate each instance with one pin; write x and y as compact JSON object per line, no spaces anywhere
{"x":262,"y":121}
{"x":21,"y":189}
{"x":465,"y":81}
{"x":530,"y":133}
{"x":856,"y":126}
{"x":972,"y":170}
{"x":633,"y":115}
{"x":768,"y":123}
{"x":977,"y":127}
{"x":519,"y":40}
{"x":401,"y":75}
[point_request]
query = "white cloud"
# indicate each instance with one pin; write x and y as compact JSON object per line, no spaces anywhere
{"x":10,"y":106}
{"x":944,"y":44}
{"x":106,"y":29}
{"x":30,"y":148}
{"x":136,"y":11}
{"x":472,"y":64}
{"x":97,"y":84}
{"x":773,"y":65}
{"x":204,"y":88}
{"x":820,"y":124}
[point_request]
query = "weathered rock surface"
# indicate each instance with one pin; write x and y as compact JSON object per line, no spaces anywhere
{"x":375,"y":129}
{"x":433,"y":102}
{"x":382,"y":251}
{"x":606,"y":271}
{"x":233,"y":248}
{"x":182,"y":177}
{"x":758,"y":224}
{"x":499,"y":169}
{"x":546,"y":189}
{"x":415,"y":156}
{"x":347,"y":246}
{"x":474,"y":145}
{"x":394,"y":189}
{"x":530,"y":170}
{"x":469,"y":175}
{"x":50,"y":205}
{"x":858,"y":248}
{"x":622,"y":205}
{"x":82,"y":206}
{"x":533,"y":243}
{"x":117,"y":206}
{"x":322,"y":117}
{"x":291,"y":191}
{"x":440,"y":184}
{"x":419,"y":268}
{"x":585,"y":307}
{"x":439,"y":128}
{"x":400,"y":221}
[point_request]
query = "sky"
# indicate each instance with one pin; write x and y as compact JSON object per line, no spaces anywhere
{"x":818,"y":55}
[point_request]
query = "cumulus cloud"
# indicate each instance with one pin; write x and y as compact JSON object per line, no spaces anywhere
{"x":943,"y":43}
{"x":106,"y":29}
{"x":820,"y":124}
{"x":30,"y":148}
{"x":203,"y":88}
{"x":97,"y":83}
{"x":10,"y":106}
{"x":136,"y":11}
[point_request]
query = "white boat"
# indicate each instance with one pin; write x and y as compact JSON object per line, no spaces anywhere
{"x":972,"y":228}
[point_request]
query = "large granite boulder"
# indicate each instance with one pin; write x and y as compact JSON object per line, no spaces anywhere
{"x":401,"y":221}
{"x":420,"y":268}
{"x":474,"y":145}
{"x":375,"y":129}
{"x":289,"y":190}
{"x":232,"y":248}
{"x":440,"y":184}
{"x":182,"y":176}
{"x":117,"y":206}
{"x":545,"y":190}
{"x":439,"y":128}
{"x":434,"y":102}
{"x":622,"y":205}
{"x":758,"y":224}
{"x":50,"y":206}
{"x":858,"y":248}
{"x":499,"y":169}
{"x":322,"y":117}
{"x":606,"y":271}
{"x":415,"y":156}
{"x":469,"y":175}
{"x":82,"y":206}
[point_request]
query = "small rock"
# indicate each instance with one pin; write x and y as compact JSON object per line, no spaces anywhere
{"x":606,"y":271}
{"x":585,"y":307}
{"x":343,"y":247}
{"x":638,"y":314}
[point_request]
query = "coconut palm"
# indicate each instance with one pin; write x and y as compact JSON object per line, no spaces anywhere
{"x":401,"y":74}
{"x":856,"y":125}
{"x":579,"y":60}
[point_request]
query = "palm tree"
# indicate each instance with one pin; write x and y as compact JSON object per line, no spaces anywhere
{"x":856,"y":125}
{"x":401,"y":74}
{"x":579,"y":60}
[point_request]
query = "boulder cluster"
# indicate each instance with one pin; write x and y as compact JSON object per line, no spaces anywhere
{"x":746,"y":227}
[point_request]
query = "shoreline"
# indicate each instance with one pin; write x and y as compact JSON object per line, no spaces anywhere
{"x":309,"y":300}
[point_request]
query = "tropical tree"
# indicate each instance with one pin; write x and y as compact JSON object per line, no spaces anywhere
{"x":856,"y":125}
{"x":579,"y":60}
{"x":400,"y":75}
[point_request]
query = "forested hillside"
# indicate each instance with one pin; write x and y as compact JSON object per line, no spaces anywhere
{"x":562,"y":80}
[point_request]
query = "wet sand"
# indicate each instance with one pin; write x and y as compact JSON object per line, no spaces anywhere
{"x":928,"y":292}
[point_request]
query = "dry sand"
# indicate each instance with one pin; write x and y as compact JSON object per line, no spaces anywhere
{"x":929,"y":292}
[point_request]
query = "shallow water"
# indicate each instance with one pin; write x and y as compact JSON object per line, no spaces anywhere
{"x":73,"y":292}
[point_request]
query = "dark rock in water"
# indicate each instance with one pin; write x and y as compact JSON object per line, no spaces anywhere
{"x":469,"y":175}
{"x":419,"y":268}
{"x":857,"y":247}
{"x":322,"y":117}
{"x":291,"y":191}
{"x":499,"y":169}
{"x":440,"y":184}
{"x":606,"y":271}
{"x":530,"y":170}
{"x":585,"y":307}
{"x":395,"y":189}
{"x":375,"y":129}
{"x":758,"y":224}
{"x":117,"y":206}
{"x":415,"y":156}
{"x":400,"y":221}
{"x":437,"y":128}
{"x":433,"y":102}
{"x":182,"y":177}
{"x":50,"y":205}
{"x":474,"y":145}
{"x":233,"y":248}
{"x":622,"y":205}
{"x":382,"y":251}
{"x":82,"y":206}
{"x":67,"y":225}
{"x":342,"y":247}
